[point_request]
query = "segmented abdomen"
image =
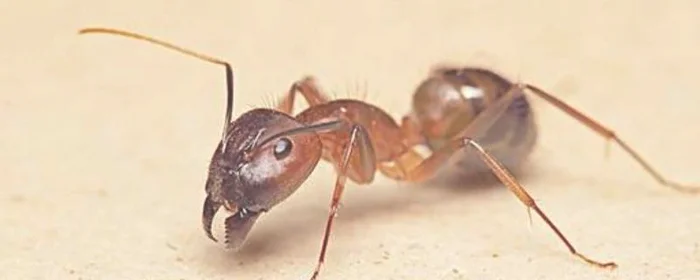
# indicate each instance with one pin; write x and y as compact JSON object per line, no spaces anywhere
{"x":510,"y":139}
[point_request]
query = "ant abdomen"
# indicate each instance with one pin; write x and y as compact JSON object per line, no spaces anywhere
{"x":451,"y":99}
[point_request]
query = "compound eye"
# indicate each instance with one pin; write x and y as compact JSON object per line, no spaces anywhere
{"x":283,"y":148}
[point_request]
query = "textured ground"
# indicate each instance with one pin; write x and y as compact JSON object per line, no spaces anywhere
{"x":105,"y":141}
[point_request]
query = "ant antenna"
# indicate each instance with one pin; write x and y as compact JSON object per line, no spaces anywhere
{"x":229,"y":71}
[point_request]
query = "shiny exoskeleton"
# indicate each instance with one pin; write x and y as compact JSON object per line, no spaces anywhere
{"x":265,"y":155}
{"x":450,"y":100}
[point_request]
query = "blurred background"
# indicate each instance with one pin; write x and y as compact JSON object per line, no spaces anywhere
{"x":106,"y":140}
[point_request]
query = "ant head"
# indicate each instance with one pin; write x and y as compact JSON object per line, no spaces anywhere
{"x":263,"y":156}
{"x":260,"y":165}
{"x":446,"y":102}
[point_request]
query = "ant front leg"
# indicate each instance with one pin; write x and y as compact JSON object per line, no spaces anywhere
{"x":426,"y":168}
{"x":359,"y":141}
{"x":308,"y":88}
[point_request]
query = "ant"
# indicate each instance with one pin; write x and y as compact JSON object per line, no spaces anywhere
{"x":266,"y":154}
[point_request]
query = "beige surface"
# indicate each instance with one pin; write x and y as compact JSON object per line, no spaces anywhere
{"x":105,"y":141}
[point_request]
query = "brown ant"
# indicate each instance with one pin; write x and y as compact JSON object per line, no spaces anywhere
{"x":265,"y":155}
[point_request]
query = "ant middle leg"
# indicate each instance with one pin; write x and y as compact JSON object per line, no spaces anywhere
{"x":427,"y":167}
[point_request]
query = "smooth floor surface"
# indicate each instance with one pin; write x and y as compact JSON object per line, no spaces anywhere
{"x":106,"y":141}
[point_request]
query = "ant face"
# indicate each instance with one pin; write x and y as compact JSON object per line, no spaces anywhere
{"x":260,"y":167}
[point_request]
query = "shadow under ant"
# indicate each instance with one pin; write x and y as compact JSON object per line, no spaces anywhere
{"x":271,"y":238}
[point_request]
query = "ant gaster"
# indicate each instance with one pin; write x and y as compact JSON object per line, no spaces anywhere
{"x":265,"y":155}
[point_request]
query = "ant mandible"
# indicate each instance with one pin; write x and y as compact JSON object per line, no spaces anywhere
{"x":265,"y":155}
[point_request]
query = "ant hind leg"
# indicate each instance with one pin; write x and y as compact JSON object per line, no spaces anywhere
{"x":610,"y":135}
{"x":423,"y":169}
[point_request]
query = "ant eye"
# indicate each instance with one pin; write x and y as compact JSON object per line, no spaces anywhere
{"x":283,"y":148}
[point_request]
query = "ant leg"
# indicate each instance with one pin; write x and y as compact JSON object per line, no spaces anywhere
{"x":609,"y":135}
{"x":359,"y":139}
{"x":430,"y":165}
{"x":308,"y":88}
{"x":488,"y":117}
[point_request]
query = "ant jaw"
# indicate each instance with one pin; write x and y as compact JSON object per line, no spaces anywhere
{"x":208,"y":212}
{"x":238,"y":226}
